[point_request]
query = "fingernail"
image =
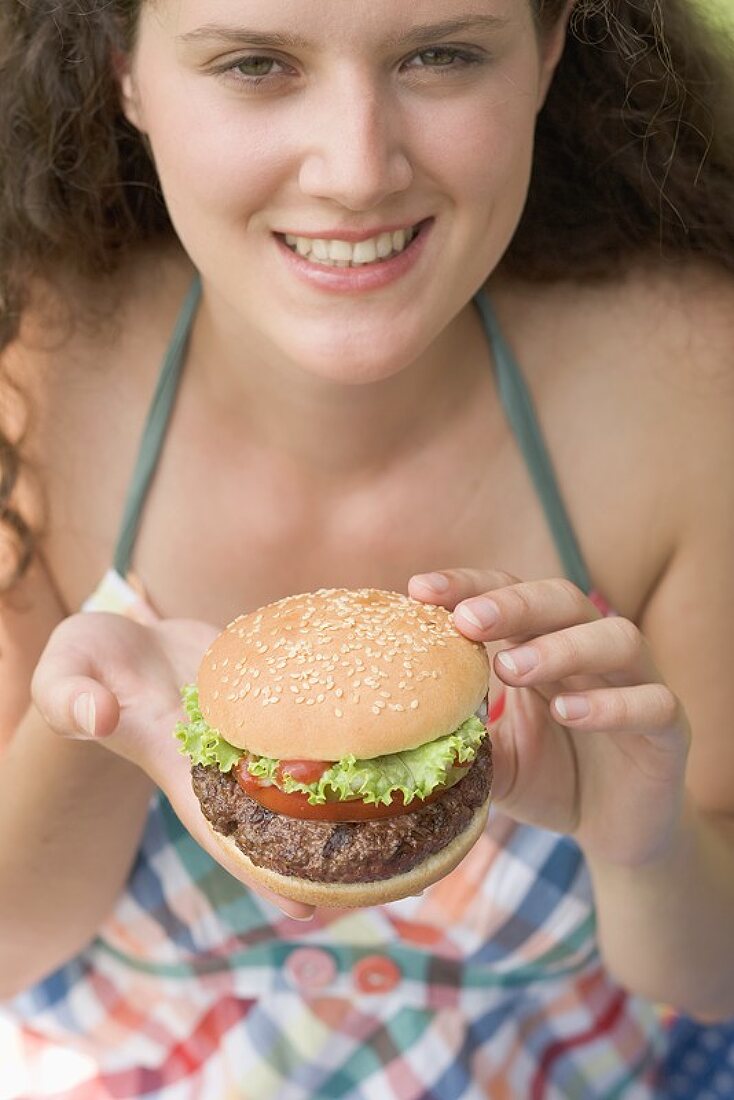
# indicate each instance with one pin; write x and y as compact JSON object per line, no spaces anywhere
{"x":292,"y":916}
{"x":572,"y":706}
{"x":519,"y":661}
{"x":436,"y":581}
{"x":481,"y":613}
{"x":85,"y":714}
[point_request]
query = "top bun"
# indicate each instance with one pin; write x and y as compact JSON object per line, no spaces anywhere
{"x":325,"y":674}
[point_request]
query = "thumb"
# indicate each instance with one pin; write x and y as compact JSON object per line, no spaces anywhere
{"x":68,"y":694}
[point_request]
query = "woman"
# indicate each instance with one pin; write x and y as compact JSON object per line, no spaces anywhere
{"x":341,"y":229}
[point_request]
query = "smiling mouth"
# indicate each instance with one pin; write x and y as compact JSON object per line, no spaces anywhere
{"x":336,"y":253}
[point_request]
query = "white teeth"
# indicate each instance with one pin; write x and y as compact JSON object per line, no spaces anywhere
{"x":336,"y":253}
{"x":365,"y":252}
{"x":384,"y":245}
{"x":340,"y":250}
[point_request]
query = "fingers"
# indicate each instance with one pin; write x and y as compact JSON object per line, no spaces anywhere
{"x":67,"y":692}
{"x":489,"y":606}
{"x":613,"y":648}
{"x":642,"y":708}
{"x":450,"y":586}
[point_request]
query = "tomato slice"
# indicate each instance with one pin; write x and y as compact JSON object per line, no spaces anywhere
{"x":303,"y":771}
{"x":297,"y":804}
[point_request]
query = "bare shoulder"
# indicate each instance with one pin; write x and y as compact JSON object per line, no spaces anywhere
{"x":681,"y":322}
{"x":70,"y":322}
{"x":84,"y":366}
{"x":661,"y":321}
{"x":633,"y":378}
{"x":652,"y":350}
{"x":678,"y":331}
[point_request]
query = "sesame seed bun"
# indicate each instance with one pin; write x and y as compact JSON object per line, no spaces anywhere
{"x":342,"y":895}
{"x":324,"y":674}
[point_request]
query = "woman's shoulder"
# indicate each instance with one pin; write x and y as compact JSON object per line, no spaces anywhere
{"x":677,"y":315}
{"x":69,"y":317}
{"x":82,"y":340}
{"x":84,"y":368}
{"x":657,"y":336}
{"x":633,"y":379}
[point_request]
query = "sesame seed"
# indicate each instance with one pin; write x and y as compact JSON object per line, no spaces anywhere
{"x":339,"y":713}
{"x":376,"y":710}
{"x":414,"y":705}
{"x":320,"y":698}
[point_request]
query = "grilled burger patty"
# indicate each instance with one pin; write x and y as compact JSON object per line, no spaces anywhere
{"x":324,"y":851}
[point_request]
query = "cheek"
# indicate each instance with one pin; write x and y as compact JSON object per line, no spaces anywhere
{"x":212,"y":161}
{"x":487,"y":151}
{"x":478,"y":149}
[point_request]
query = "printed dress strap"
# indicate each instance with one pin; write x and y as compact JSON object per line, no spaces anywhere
{"x":154,"y":432}
{"x":520,"y":411}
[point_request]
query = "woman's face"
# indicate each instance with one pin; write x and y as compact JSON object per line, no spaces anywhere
{"x":336,"y":121}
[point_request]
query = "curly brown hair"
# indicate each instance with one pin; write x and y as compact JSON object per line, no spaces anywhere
{"x":634,"y":155}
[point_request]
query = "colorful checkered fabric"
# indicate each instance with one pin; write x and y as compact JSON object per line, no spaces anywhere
{"x":488,"y":985}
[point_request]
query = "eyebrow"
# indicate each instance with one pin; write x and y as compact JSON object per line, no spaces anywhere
{"x":416,"y":36}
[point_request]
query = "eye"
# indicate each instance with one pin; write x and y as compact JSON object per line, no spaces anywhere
{"x":445,"y":58}
{"x":252,"y":71}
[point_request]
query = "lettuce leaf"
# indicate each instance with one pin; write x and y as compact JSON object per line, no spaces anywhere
{"x":415,"y":772}
{"x":202,"y":743}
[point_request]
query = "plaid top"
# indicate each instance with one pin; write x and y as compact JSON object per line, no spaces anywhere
{"x":489,"y":985}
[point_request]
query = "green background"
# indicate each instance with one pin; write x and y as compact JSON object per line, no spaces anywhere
{"x":721,"y":13}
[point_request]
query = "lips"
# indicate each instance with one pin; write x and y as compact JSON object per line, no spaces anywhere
{"x":337,"y":252}
{"x":345,"y":275}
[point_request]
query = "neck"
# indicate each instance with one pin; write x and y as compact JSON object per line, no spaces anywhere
{"x":331,"y":429}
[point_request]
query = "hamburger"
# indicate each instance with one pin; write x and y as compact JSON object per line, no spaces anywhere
{"x":339,"y":746}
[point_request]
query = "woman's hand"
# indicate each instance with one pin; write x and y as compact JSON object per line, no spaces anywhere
{"x":591,"y":741}
{"x":106,"y":678}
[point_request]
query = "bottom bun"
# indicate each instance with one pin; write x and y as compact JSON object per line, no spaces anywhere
{"x":352,"y":894}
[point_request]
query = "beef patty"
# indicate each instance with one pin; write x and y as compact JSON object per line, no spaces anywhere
{"x":325,"y":851}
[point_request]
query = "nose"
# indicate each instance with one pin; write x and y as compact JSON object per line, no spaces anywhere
{"x":355,"y":153}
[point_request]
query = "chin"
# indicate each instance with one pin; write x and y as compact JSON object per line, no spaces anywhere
{"x":358,"y":359}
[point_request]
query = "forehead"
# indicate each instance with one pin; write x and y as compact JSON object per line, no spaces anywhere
{"x":354,"y":22}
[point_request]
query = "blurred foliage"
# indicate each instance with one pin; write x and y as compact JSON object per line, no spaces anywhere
{"x":720,"y":13}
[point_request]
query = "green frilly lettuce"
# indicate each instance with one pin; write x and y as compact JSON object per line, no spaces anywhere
{"x":415,"y":772}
